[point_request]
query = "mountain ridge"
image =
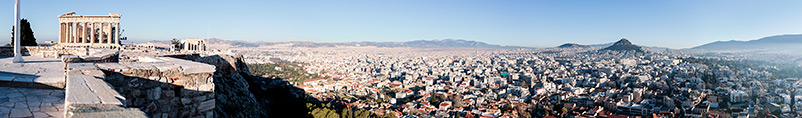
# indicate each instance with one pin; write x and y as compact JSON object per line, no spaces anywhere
{"x":769,"y":42}
{"x":623,"y":45}
{"x":573,"y":45}
{"x":415,"y":43}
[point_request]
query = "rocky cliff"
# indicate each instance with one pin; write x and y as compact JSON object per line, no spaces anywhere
{"x":240,"y":94}
{"x":234,"y":99}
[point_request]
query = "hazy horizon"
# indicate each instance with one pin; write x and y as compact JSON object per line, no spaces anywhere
{"x":672,"y":24}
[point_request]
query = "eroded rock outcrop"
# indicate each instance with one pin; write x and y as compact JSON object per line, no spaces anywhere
{"x":234,"y":99}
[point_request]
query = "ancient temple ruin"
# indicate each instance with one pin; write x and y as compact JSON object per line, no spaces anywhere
{"x":194,"y":44}
{"x":89,"y":30}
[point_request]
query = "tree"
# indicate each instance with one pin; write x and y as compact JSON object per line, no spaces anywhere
{"x":176,"y":43}
{"x":456,"y":100}
{"x":388,"y":115}
{"x":26,"y":37}
{"x":436,"y":98}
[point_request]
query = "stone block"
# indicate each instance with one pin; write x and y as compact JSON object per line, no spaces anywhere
{"x":156,"y":116}
{"x":23,"y":79}
{"x":95,"y":73}
{"x":167,"y":67}
{"x":20,"y":112}
{"x":103,"y":111}
{"x":78,"y":92}
{"x":40,"y":115}
{"x":81,"y":66}
{"x":103,"y":90}
{"x":148,"y":59}
{"x":71,"y":59}
{"x":135,"y":92}
{"x":114,"y":67}
{"x":186,"y":101}
{"x":49,"y":54}
{"x":140,"y":66}
{"x":195,"y":67}
{"x":206,"y":87}
{"x":154,"y":93}
{"x":206,"y":105}
{"x":199,"y":98}
{"x":165,"y":107}
{"x":6,"y":78}
{"x":163,"y":101}
{"x":49,"y":109}
{"x":169,"y":94}
{"x":139,"y":102}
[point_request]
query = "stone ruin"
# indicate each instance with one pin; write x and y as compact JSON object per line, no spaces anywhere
{"x":157,"y":86}
{"x":97,"y":84}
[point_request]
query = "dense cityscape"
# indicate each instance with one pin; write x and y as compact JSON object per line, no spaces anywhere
{"x":401,"y":59}
{"x":571,"y":81}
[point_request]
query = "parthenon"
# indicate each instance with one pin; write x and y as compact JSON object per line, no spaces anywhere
{"x":89,"y":30}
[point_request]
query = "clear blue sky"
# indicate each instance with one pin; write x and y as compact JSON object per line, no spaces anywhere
{"x":674,"y":24}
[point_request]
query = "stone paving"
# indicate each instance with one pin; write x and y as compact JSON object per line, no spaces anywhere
{"x":31,"y":103}
{"x":40,"y":70}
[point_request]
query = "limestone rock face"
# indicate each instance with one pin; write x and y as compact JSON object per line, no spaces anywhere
{"x":232,"y":94}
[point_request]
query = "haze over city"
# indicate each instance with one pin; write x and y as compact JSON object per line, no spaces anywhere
{"x":672,"y":24}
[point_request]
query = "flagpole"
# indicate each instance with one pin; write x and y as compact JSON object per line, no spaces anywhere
{"x":17,"y":46}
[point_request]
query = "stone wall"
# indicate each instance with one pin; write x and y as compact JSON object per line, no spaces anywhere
{"x":163,"y":100}
{"x":68,"y":54}
{"x":6,"y":51}
{"x":164,"y":87}
{"x":88,"y":96}
{"x":37,"y":50}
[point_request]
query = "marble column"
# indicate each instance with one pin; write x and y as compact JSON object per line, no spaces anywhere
{"x":60,"y":32}
{"x":117,"y":34}
{"x":92,"y":32}
{"x":66,"y":32}
{"x":72,"y":32}
{"x":95,"y":32}
{"x":69,"y":32}
{"x":75,"y":29}
{"x":83,"y":32}
{"x":76,"y":32}
{"x":86,"y":32}
{"x":105,"y":33}
{"x":102,"y":32}
{"x":80,"y":32}
{"x":108,"y":33}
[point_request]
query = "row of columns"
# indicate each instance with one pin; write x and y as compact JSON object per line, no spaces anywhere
{"x":89,"y":32}
{"x":200,"y":46}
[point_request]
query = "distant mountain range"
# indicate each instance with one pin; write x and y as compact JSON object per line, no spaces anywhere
{"x":607,"y":45}
{"x":416,"y":43}
{"x":771,"y":42}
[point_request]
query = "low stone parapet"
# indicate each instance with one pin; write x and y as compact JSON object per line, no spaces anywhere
{"x":89,"y":96}
{"x":164,"y":86}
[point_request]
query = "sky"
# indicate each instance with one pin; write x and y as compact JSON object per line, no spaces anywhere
{"x":532,"y":23}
